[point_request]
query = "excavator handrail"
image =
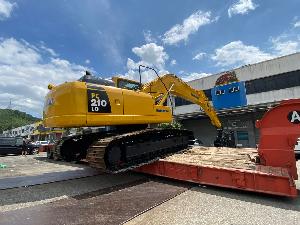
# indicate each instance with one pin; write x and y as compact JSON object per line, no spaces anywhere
{"x":161,"y":85}
{"x":158,"y":77}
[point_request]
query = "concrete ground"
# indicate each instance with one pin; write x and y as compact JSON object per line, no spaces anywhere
{"x":19,"y":198}
{"x":211,"y":205}
{"x":17,"y":165}
{"x":21,"y":171}
{"x":192,"y":204}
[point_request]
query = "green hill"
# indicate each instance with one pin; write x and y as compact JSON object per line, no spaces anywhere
{"x":14,"y":118}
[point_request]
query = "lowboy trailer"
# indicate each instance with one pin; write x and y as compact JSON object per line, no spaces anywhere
{"x":271,"y":169}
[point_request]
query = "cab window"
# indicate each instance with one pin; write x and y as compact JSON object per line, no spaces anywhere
{"x":128,"y":85}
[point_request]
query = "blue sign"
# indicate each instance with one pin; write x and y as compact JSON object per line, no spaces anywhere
{"x":230,"y":95}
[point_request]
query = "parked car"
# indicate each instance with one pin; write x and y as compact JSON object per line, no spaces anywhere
{"x":44,"y":142}
{"x":11,"y":145}
{"x":43,"y":146}
{"x":41,"y":143}
{"x":32,"y":148}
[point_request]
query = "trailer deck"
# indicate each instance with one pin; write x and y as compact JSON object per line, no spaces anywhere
{"x":275,"y":169}
{"x":224,"y":167}
{"x":212,"y":156}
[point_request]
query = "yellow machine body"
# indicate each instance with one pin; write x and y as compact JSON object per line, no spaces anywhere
{"x":83,"y":104}
{"x":78,"y":104}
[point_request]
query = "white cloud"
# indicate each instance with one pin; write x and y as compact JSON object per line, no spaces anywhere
{"x":15,"y":52}
{"x":237,"y":53}
{"x":173,"y":62}
{"x":25,"y":74}
{"x":297,"y":24}
{"x":48,"y":50}
{"x":87,"y":61}
{"x":288,"y":42}
{"x":181,"y":32}
{"x":194,"y":76}
{"x":151,"y":55}
{"x":285,"y":47}
{"x":199,"y":56}
{"x":241,"y":7}
{"x":148,"y":37}
{"x":147,"y":75}
{"x":6,"y":9}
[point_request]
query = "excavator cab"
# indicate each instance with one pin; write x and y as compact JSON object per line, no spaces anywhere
{"x":89,"y":78}
{"x":126,"y":83}
{"x":116,"y":82}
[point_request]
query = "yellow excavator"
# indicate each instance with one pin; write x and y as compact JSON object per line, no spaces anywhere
{"x":129,"y":108}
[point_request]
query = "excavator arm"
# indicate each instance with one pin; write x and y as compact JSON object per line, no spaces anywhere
{"x":167,"y":84}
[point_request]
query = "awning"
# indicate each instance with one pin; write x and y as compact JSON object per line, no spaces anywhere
{"x":229,"y":112}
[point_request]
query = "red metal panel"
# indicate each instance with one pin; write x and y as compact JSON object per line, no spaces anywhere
{"x":279,"y":131}
{"x":263,"y":179}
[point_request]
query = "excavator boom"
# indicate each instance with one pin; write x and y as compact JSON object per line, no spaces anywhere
{"x":170,"y":83}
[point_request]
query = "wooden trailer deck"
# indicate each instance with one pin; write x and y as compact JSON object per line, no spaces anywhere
{"x":239,"y":158}
{"x":224,"y":167}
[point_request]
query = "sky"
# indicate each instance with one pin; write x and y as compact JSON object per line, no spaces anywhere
{"x":44,"y":42}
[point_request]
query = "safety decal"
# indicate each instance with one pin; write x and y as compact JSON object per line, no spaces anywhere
{"x":98,"y":101}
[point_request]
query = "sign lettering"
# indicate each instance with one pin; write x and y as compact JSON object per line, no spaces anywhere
{"x":98,"y":101}
{"x":294,"y":117}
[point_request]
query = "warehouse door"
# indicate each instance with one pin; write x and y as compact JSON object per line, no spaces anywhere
{"x":242,"y":138}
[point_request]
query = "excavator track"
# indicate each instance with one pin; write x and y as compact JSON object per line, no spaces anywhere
{"x":126,"y":151}
{"x":96,"y":153}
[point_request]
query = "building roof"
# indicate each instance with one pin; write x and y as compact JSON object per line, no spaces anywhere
{"x":254,"y":71}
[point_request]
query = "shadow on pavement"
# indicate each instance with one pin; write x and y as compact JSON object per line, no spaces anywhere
{"x":74,"y":164}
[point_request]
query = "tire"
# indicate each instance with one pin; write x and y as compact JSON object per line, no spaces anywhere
{"x":35,"y":151}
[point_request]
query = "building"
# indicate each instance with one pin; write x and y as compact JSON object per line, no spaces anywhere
{"x":241,"y":96}
{"x":36,"y":132}
{"x":41,"y":133}
{"x":23,"y":131}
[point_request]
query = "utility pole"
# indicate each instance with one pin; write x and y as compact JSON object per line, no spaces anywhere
{"x":9,"y":105}
{"x":10,"y":108}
